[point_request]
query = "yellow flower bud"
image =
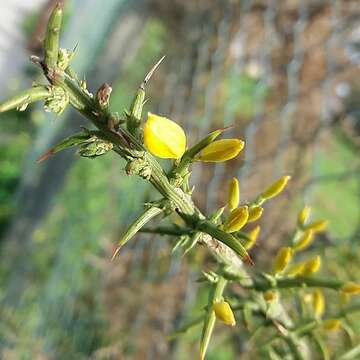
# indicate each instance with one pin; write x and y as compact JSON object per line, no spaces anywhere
{"x":255,"y":213}
{"x":233,"y":196}
{"x":304,"y":215}
{"x":305,"y":240}
{"x":351,"y":288}
{"x":311,"y":266}
{"x":236,"y":220}
{"x":163,"y":137}
{"x":276,"y":188}
{"x":331,"y":325}
{"x":318,"y":303}
{"x":282,"y":259}
{"x":224,"y":313}
{"x":270,"y":296}
{"x":253,"y":235}
{"x":317,"y":226}
{"x":295,"y":269}
{"x":221,"y":150}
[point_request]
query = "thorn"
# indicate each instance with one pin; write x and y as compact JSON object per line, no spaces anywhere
{"x":60,"y":5}
{"x":115,"y":253}
{"x":45,"y":156}
{"x":248,"y":260}
{"x":150,"y":73}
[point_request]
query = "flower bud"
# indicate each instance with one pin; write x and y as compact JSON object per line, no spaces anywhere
{"x":318,"y":303}
{"x":253,"y":235}
{"x":224,"y":313}
{"x":351,"y":288}
{"x":282,"y":259}
{"x":163,"y":137}
{"x":270,"y":295}
{"x":331,"y":325}
{"x":221,"y":150}
{"x":295,"y":269}
{"x":311,"y":266}
{"x":305,"y":240}
{"x":255,"y":213}
{"x":276,"y":188}
{"x":303,"y":216}
{"x":317,"y":226}
{"x":236,"y":220}
{"x":233,"y":195}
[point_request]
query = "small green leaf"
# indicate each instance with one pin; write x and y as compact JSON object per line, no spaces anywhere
{"x":69,"y":142}
{"x":134,"y":228}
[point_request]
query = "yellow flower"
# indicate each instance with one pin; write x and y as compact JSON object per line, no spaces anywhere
{"x":255,"y":213}
{"x":318,"y":303}
{"x":253,"y":235}
{"x":282,"y":259}
{"x":224,"y":313}
{"x":331,"y":325}
{"x":305,"y":240}
{"x":304,"y":215}
{"x":276,"y":188}
{"x":311,"y":266}
{"x":221,"y":150}
{"x":233,"y":196}
{"x":351,"y":288}
{"x":163,"y":137}
{"x":236,"y":220}
{"x":317,"y":226}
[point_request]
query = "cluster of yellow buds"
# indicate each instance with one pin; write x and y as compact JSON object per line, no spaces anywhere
{"x":239,"y":216}
{"x":303,"y":238}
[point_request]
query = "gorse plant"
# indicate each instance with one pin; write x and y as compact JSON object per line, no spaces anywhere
{"x":262,"y":299}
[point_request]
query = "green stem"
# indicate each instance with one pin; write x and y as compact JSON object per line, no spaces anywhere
{"x":25,"y":97}
{"x":51,"y":42}
{"x":209,"y":323}
{"x":263,"y":284}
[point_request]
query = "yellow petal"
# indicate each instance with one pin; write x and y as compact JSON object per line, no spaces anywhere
{"x":317,"y":226}
{"x":311,"y":266}
{"x":318,"y":303}
{"x":224,"y":313}
{"x":236,"y":220}
{"x":253,"y":235}
{"x":221,"y":150}
{"x":305,"y":240}
{"x":163,"y":137}
{"x":255,"y":213}
{"x":276,"y":188}
{"x":295,"y":269}
{"x":282,"y":258}
{"x":331,"y":325}
{"x":351,"y":288}
{"x":233,"y":196}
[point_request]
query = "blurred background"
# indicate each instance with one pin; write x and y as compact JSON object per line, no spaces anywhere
{"x":285,"y":73}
